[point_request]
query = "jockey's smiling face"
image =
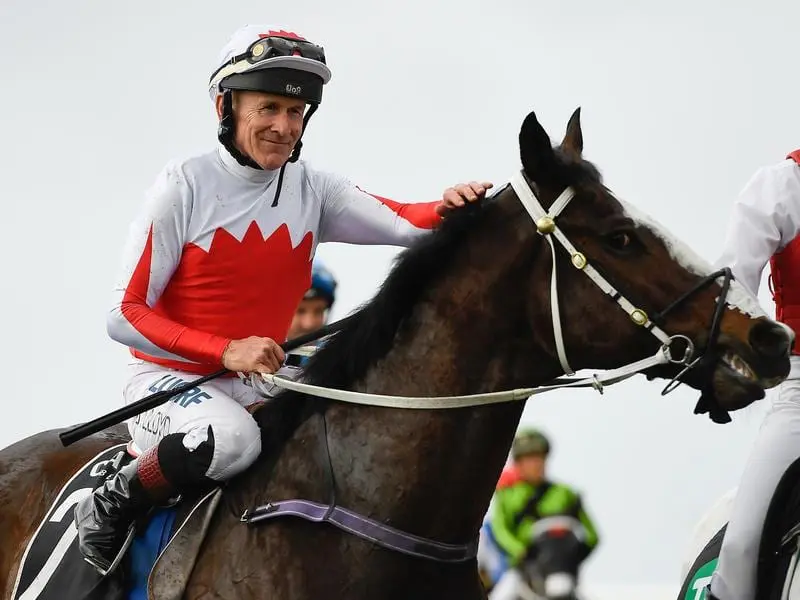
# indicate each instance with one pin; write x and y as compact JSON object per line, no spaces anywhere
{"x":267,"y":126}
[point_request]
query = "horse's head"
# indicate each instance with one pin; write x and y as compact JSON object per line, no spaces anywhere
{"x":553,"y":561}
{"x":625,"y":285}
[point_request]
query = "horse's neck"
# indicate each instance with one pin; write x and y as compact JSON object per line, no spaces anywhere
{"x":433,"y":472}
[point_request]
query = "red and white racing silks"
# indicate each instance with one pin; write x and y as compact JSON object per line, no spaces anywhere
{"x":764,"y":220}
{"x":209,"y":259}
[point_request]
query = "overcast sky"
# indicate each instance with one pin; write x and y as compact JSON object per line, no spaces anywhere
{"x":682,"y":101}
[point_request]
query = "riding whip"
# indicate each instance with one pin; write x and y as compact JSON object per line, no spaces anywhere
{"x":79,"y":432}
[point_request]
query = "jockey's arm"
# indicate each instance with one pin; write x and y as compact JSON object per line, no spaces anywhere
{"x":501,"y":524}
{"x":764,"y":219}
{"x":592,"y":539}
{"x":152,"y":252}
{"x":354,"y":216}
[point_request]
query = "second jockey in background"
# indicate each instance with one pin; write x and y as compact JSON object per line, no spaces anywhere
{"x":526,"y":496}
{"x":213,"y":269}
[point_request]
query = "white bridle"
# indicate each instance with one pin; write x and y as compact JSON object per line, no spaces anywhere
{"x":546,"y":226}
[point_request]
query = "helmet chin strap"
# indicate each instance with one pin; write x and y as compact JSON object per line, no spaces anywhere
{"x":226,"y":132}
{"x":226,"y":135}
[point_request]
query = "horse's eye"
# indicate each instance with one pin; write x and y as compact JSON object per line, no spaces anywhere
{"x":621,"y":241}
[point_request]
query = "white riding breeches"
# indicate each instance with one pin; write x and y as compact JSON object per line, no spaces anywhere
{"x":221,"y":404}
{"x":776,"y":447}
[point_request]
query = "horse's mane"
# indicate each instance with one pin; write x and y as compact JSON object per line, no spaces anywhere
{"x":368,"y":336}
{"x":372,"y":329}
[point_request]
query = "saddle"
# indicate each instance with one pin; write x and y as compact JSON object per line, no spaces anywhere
{"x":156,"y":565}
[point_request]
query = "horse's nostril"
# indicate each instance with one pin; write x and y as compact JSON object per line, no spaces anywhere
{"x":771,"y":339}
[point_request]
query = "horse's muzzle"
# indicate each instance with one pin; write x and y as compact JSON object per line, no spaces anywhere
{"x":743,"y":372}
{"x":771,"y":340}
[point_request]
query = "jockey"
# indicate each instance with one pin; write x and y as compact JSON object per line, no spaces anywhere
{"x":519,"y":504}
{"x":214,"y":268}
{"x":764,"y":227}
{"x":313,"y":310}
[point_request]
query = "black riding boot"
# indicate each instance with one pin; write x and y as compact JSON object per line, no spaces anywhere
{"x":105,"y":519}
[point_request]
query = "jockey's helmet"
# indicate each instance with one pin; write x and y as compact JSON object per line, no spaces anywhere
{"x":323,"y":284}
{"x":271,"y":59}
{"x":530,"y":441}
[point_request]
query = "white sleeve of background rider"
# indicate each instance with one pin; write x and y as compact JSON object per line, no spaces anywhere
{"x":354,"y":216}
{"x":764,"y":219}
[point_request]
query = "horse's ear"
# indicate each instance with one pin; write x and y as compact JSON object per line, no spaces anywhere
{"x":535,"y":149}
{"x":573,"y":140}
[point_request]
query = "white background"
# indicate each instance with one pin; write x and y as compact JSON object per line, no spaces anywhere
{"x":681,"y":103}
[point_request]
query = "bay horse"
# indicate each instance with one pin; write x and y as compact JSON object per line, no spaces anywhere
{"x":473,"y":308}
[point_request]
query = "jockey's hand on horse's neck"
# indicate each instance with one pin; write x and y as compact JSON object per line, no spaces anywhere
{"x":458,"y":195}
{"x":253,"y":355}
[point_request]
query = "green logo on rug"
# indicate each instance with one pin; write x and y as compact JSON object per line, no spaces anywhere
{"x":702,"y":577}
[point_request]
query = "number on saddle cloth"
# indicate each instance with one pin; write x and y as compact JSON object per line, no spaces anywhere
{"x":52,"y":567}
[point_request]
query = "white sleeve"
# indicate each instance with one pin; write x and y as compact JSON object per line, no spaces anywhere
{"x":354,"y":216}
{"x":764,"y":219}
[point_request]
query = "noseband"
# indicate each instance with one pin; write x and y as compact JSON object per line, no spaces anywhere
{"x":546,"y":226}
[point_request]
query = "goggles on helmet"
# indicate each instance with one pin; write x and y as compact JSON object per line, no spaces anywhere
{"x":265,"y":49}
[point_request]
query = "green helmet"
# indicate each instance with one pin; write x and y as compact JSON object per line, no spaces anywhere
{"x":530,"y":441}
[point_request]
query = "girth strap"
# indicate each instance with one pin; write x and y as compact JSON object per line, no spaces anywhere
{"x":364,"y":528}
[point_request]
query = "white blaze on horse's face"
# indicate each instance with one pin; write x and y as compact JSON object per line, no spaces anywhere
{"x":738,"y":295}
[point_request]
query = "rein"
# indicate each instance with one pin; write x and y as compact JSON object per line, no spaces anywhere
{"x":399,"y":541}
{"x":448,"y":402}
